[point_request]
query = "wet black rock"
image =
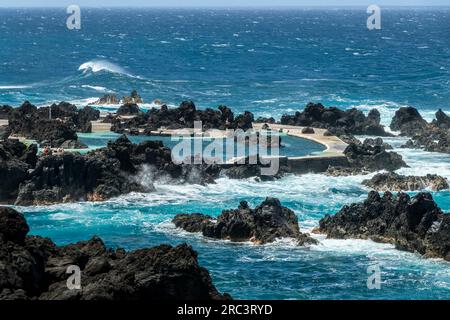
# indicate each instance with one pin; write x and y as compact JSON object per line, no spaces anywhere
{"x":270,"y":120}
{"x":119,"y":168}
{"x":183,"y":117}
{"x":351,"y":121}
{"x":413,"y":224}
{"x":73,"y":144}
{"x":369,"y":156}
{"x":442,"y":120}
{"x":5,"y":111}
{"x":394,"y":182}
{"x":433,"y":137}
{"x":35,"y":123}
{"x":308,"y":130}
{"x":35,"y":268}
{"x":134,"y":98}
{"x":15,"y":161}
{"x":264,"y":224}
{"x":408,"y":121}
{"x":108,"y":99}
{"x":128,"y":109}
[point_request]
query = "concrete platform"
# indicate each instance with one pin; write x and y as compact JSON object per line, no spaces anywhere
{"x":99,"y":126}
{"x":333,"y":155}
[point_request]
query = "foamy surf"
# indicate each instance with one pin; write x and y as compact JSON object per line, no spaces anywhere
{"x":103,"y":65}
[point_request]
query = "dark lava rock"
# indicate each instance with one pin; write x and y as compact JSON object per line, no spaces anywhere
{"x":308,"y":130}
{"x":121,"y":167}
{"x":413,"y":224}
{"x":128,"y":109}
{"x":433,"y":137}
{"x":184,"y":117}
{"x":442,"y":120}
{"x":394,"y":182}
{"x":108,"y":99}
{"x":266,"y":223}
{"x":134,"y":98}
{"x":66,"y":120}
{"x":351,"y":121}
{"x":369,"y":156}
{"x":270,"y":120}
{"x":73,"y":144}
{"x":408,"y":121}
{"x":15,"y":161}
{"x":5,"y":111}
{"x":35,"y":268}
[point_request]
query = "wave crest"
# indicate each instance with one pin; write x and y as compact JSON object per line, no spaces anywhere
{"x":102,"y":65}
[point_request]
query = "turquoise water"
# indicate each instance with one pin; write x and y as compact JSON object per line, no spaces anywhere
{"x":267,"y":62}
{"x":290,"y":146}
{"x":335,"y":269}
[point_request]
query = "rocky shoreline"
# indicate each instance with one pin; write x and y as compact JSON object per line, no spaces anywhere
{"x":34,"y":268}
{"x":414,"y":224}
{"x":395,"y":182}
{"x":369,"y":156}
{"x":120,"y":167}
{"x":433,"y":137}
{"x":263,"y":224}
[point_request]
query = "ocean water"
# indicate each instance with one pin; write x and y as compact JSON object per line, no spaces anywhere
{"x":267,"y":62}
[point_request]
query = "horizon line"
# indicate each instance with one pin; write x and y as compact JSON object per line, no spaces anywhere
{"x":226,"y":7}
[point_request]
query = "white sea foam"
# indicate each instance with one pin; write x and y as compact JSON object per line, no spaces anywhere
{"x":103,"y":65}
{"x":14,"y":87}
{"x":96,"y":88}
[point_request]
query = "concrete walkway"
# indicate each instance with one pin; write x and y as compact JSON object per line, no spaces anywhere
{"x":334,"y":145}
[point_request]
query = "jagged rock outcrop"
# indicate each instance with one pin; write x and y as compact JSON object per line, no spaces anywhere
{"x":128,"y":109}
{"x":369,"y":156}
{"x":414,"y":224}
{"x":108,"y":98}
{"x":270,"y":120}
{"x":182,"y":117}
{"x":35,"y":123}
{"x":15,"y":161}
{"x":442,"y":119}
{"x":408,"y":121}
{"x":134,"y":98}
{"x":264,"y":224}
{"x":105,"y":173}
{"x":394,"y":182}
{"x":79,"y":119}
{"x":5,"y":132}
{"x":433,"y":137}
{"x":351,"y":121}
{"x":5,"y":110}
{"x":33,"y":268}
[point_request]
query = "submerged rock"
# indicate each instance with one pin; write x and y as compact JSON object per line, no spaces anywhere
{"x":394,"y":182}
{"x":351,"y":121}
{"x":264,"y":224}
{"x":414,"y":224}
{"x":35,"y":268}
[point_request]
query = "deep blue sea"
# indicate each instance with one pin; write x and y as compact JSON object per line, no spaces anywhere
{"x":269,"y":62}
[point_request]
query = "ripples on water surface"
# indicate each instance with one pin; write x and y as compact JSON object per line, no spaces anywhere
{"x":266,"y":62}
